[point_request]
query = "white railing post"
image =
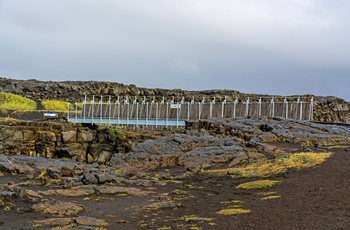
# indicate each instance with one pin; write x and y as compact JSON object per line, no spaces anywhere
{"x":84,"y":108}
{"x":211,"y":108}
{"x":76,"y":111}
{"x":68,"y":113}
{"x":156,"y":114}
{"x":126,"y":103}
{"x":101,"y":110}
{"x":223,"y":107}
{"x":311,"y":115}
{"x":109,"y":105}
{"x":177,"y":114}
{"x":297,"y":108}
{"x":286,"y":106}
{"x":272,"y":107}
{"x":92,"y":110}
{"x":147,"y":114}
{"x":259,"y":110}
{"x":167,"y":114}
{"x":137,"y":114}
{"x":118,"y":114}
{"x":235,"y":107}
{"x":247,"y":108}
{"x":301,"y":110}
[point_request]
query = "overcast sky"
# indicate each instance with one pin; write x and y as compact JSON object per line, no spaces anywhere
{"x":283,"y":47}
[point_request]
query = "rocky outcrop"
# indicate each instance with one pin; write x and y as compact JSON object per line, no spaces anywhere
{"x":215,"y":143}
{"x":60,"y":140}
{"x":327,"y":109}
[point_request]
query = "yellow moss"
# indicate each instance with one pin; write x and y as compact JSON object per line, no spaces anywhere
{"x":57,"y":106}
{"x":258,"y":184}
{"x":234,"y":211}
{"x":9,"y":101}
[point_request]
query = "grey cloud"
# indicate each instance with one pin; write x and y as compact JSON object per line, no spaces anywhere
{"x":260,"y":46}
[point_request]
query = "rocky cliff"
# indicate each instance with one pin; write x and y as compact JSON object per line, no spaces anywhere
{"x":327,"y":109}
{"x":61,"y":140}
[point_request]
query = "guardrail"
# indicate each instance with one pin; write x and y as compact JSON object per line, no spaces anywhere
{"x":174,"y":113}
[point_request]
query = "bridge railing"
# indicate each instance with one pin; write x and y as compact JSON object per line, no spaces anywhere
{"x":169,"y":112}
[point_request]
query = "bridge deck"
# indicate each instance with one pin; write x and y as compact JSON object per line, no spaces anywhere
{"x":130,"y":121}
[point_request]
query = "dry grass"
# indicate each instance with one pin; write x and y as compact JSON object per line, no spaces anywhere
{"x":278,"y":165}
{"x":9,"y":101}
{"x":258,"y":184}
{"x":234,"y":211}
{"x":270,"y":197}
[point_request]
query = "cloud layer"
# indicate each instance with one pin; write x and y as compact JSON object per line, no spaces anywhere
{"x":259,"y":46}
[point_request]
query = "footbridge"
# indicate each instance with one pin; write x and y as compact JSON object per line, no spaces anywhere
{"x":173,"y":113}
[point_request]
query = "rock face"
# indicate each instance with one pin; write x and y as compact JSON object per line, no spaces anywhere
{"x":239,"y":141}
{"x":59,"y":140}
{"x":327,"y":109}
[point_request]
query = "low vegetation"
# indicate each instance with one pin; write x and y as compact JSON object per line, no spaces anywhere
{"x":113,"y":133}
{"x":278,"y":165}
{"x":55,"y":105}
{"x":233,"y":211}
{"x":270,"y":197}
{"x":258,"y":184}
{"x":9,"y":101}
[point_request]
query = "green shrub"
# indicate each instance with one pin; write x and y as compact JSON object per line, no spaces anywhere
{"x":9,"y":101}
{"x":113,"y":133}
